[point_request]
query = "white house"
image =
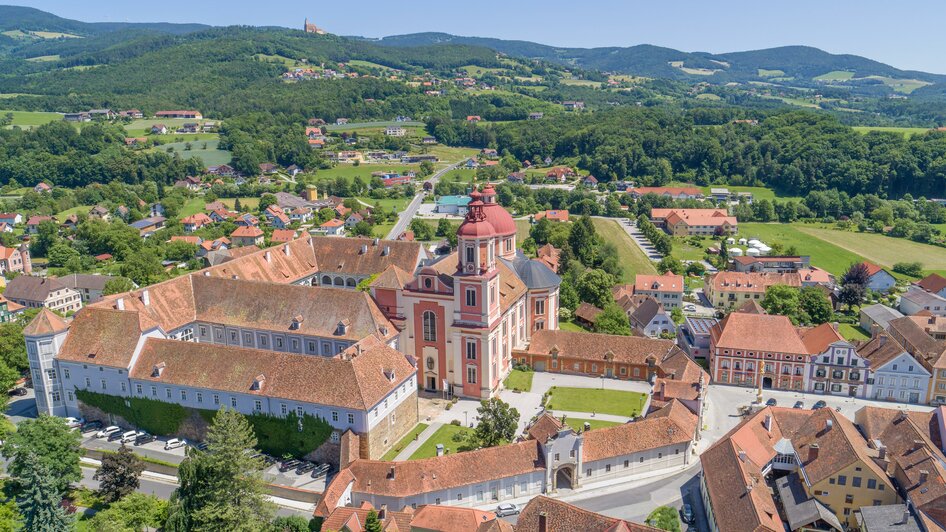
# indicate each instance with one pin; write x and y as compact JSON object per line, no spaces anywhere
{"x":896,"y":375}
{"x":916,"y":299}
{"x":879,"y":279}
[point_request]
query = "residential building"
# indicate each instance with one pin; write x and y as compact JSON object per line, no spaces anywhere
{"x":333,"y":227}
{"x":455,"y":205}
{"x":38,"y":292}
{"x":149,"y":226}
{"x":90,"y":287}
{"x":933,"y":283}
{"x":727,"y":290}
{"x":9,"y":310}
{"x":926,"y":350}
{"x":886,"y":518}
{"x":667,"y":289}
{"x":11,"y":218}
{"x":247,"y":235}
{"x":879,"y":279}
{"x":42,"y":187}
{"x":677,"y":193}
{"x":694,"y":336}
{"x":876,"y":317}
{"x":544,"y":514}
{"x":771,"y":264}
{"x":836,"y":366}
{"x":395,"y":131}
{"x":935,"y":326}
{"x":281,"y":236}
{"x":698,"y":222}
{"x":196,"y":115}
{"x":573,"y":105}
{"x":16,"y":260}
{"x":649,"y":318}
{"x":554,"y":216}
{"x":195,"y":221}
{"x":550,"y":256}
{"x":916,"y":300}
{"x":32,"y":225}
{"x":895,"y":374}
{"x":586,"y":314}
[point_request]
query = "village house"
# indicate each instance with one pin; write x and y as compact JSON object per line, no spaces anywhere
{"x":42,"y":187}
{"x":39,"y":292}
{"x":395,"y":131}
{"x":590,"y":181}
{"x":281,"y":236}
{"x":453,"y":205}
{"x":149,"y":226}
{"x":11,"y":218}
{"x":698,"y":222}
{"x":300,"y":214}
{"x":666,"y":289}
{"x":159,"y":129}
{"x":559,"y":174}
{"x":771,"y":264}
{"x":895,"y":374}
{"x":9,"y":310}
{"x":694,"y":336}
{"x":32,"y":225}
{"x":573,"y":105}
{"x":552,"y":216}
{"x":879,"y":279}
{"x":876,"y":317}
{"x":916,"y":300}
{"x":929,"y":352}
{"x":195,"y":221}
{"x":727,"y":290}
{"x":195,"y":115}
{"x":550,"y":256}
{"x":333,"y":227}
{"x":933,"y":283}
{"x":15,"y":260}
{"x":90,"y":287}
{"x":247,"y":235}
{"x":647,"y":316}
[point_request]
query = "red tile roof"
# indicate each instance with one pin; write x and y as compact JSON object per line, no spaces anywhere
{"x":932,"y":283}
{"x":247,"y":231}
{"x":740,"y":331}
{"x":563,"y":517}
{"x":671,"y":425}
{"x":46,"y":322}
{"x":667,"y":282}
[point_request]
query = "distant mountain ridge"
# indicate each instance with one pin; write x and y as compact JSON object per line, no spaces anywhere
{"x":802,"y":62}
{"x":25,"y":19}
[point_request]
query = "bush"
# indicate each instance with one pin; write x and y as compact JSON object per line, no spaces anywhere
{"x":455,"y":422}
{"x":912,"y":269}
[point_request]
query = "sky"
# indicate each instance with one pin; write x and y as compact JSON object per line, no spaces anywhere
{"x":907,"y":34}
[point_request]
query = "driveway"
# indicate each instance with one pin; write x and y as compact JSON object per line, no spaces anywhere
{"x":630,"y":227}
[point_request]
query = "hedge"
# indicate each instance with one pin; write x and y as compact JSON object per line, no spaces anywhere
{"x":277,"y":436}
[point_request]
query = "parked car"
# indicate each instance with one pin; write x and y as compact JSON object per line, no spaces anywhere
{"x":129,"y":436}
{"x":286,"y":465}
{"x":108,"y":431}
{"x":799,"y":404}
{"x":686,"y":513}
{"x":819,"y":405}
{"x":305,"y":467}
{"x":689,"y":308}
{"x":143,"y":438}
{"x":74,"y":422}
{"x":174,"y":443}
{"x":267,"y":459}
{"x":771,"y":402}
{"x":201,"y":446}
{"x":506,"y":509}
{"x":117,"y":435}
{"x":18,"y":391}
{"x":321,"y":471}
{"x":89,"y":426}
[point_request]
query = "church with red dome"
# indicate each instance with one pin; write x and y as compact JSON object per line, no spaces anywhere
{"x":463,"y":314}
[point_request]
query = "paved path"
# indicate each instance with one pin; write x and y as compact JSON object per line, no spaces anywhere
{"x":586,"y":415}
{"x":421,"y":438}
{"x":630,"y":227}
{"x":404,"y":221}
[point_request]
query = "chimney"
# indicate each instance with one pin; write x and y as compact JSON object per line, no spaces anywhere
{"x":439,"y":449}
{"x":813,"y":452}
{"x":742,"y":456}
{"x":120,"y":303}
{"x":543,"y":522}
{"x":145,"y":297}
{"x":905,"y":519}
{"x":269,"y":258}
{"x":768,"y":422}
{"x":882,"y":452}
{"x":924,"y":474}
{"x":882,"y":338}
{"x":285,"y":249}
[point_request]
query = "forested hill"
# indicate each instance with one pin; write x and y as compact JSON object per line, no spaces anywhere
{"x":801,"y":63}
{"x":27,"y":19}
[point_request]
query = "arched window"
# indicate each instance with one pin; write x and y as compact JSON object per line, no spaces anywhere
{"x":326,"y":280}
{"x":339,"y":281}
{"x":350,"y":283}
{"x":430,"y":326}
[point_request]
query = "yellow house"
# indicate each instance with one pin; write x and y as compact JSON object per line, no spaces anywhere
{"x":728,"y":290}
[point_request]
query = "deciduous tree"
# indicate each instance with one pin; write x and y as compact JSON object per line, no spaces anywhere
{"x":118,"y":474}
{"x":498,"y":422}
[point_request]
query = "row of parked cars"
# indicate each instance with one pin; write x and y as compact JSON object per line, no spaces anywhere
{"x":301,"y":467}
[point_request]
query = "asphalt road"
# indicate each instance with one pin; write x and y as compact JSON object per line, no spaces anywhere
{"x":404,"y":221}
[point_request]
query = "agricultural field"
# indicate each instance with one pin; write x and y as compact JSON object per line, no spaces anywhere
{"x":142,"y":127}
{"x":764,"y":73}
{"x":43,"y":59}
{"x":196,"y":205}
{"x":906,"y":131}
{"x":287,"y":61}
{"x":835,"y":75}
{"x":631,"y":258}
{"x":210,"y":155}
{"x":28,"y":119}
{"x":581,"y":83}
{"x":376,"y":125}
{"x":369,"y":64}
{"x":883,"y":250}
{"x":708,"y":96}
{"x":903,"y":86}
{"x":823,"y":254}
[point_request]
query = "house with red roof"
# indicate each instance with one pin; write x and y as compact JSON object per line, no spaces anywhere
{"x":195,"y":221}
{"x":247,"y":235}
{"x":553,"y":215}
{"x":16,"y":260}
{"x":281,"y":236}
{"x":333,"y":227}
{"x":879,"y":279}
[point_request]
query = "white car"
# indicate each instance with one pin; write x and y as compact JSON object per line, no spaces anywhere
{"x":174,"y":443}
{"x":129,"y":436}
{"x":107,"y":431}
{"x":74,"y":422}
{"x":690,"y":308}
{"x":506,"y":509}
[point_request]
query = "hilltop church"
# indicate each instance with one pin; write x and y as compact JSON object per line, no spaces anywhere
{"x":309,"y":27}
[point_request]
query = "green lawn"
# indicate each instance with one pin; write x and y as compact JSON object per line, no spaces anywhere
{"x":210,"y":155}
{"x":765,"y":73}
{"x":519,"y":380}
{"x":32,"y":118}
{"x":852,"y":332}
{"x":823,"y":254}
{"x":883,"y":250}
{"x":684,"y":250}
{"x":443,"y":435}
{"x":382,"y":230}
{"x":372,"y":125}
{"x":398,"y":204}
{"x":522,"y":230}
{"x":142,"y":127}
{"x":578,"y":424}
{"x":81,"y":209}
{"x":632,"y":259}
{"x":405,"y":441}
{"x":616,"y":402}
{"x":569,"y":326}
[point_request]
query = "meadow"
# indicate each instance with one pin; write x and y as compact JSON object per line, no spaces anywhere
{"x":32,"y":118}
{"x":210,"y":155}
{"x":632,"y":259}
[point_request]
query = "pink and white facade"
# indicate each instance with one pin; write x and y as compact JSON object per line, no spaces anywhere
{"x":462,"y":315}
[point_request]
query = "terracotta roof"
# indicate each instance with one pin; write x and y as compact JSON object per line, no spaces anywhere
{"x":392,"y":277}
{"x":587,"y":312}
{"x":592,"y":346}
{"x":102,"y":336}
{"x":916,"y":341}
{"x":189,"y":239}
{"x":563,"y":517}
{"x":740,"y":331}
{"x":751,"y":282}
{"x":247,"y":231}
{"x":879,"y":350}
{"x":353,"y":519}
{"x":242,"y":251}
{"x":817,"y":339}
{"x":671,"y":425}
{"x":294,"y":377}
{"x":668,"y":282}
{"x":557,"y":215}
{"x":676,"y":389}
{"x":932,"y":283}
{"x":282,"y":235}
{"x":815,"y":275}
{"x":545,"y":427}
{"x":708,"y":217}
{"x":431,"y":517}
{"x":872,"y":269}
{"x":46,"y":322}
{"x":840,"y":446}
{"x":343,"y":255}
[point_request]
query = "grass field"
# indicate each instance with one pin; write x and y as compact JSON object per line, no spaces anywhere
{"x":883,"y":250}
{"x":631,"y":257}
{"x":823,"y":254}
{"x":579,"y":424}
{"x":906,"y":131}
{"x":361,"y":125}
{"x":443,"y":435}
{"x":835,"y":75}
{"x":43,"y":58}
{"x":852,"y":332}
{"x":615,"y":402}
{"x":398,"y":204}
{"x":764,"y":73}
{"x":405,"y":441}
{"x":708,"y":96}
{"x":210,"y":156}
{"x":196,"y":205}
{"x":142,"y":127}
{"x":904,"y":86}
{"x":569,"y":326}
{"x":32,"y":118}
{"x":581,"y":83}
{"x":683,"y":250}
{"x":519,"y":380}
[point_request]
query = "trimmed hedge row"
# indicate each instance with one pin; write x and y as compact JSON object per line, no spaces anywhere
{"x":278,"y":436}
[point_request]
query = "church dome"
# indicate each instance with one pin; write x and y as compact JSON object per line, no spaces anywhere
{"x":497,"y":216}
{"x":476,"y":225}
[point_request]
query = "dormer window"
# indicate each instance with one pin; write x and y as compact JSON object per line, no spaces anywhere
{"x":296,"y":323}
{"x":158,"y":369}
{"x":342,"y":328}
{"x":258,"y":382}
{"x":389,"y":375}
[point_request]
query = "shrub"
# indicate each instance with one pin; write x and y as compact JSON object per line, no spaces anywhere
{"x":456,"y":423}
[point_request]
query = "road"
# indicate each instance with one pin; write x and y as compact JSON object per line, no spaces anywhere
{"x":404,"y":220}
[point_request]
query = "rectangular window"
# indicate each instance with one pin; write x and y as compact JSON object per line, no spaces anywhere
{"x":183,"y":395}
{"x":283,"y":409}
{"x":471,"y":349}
{"x":56,"y":397}
{"x":470,"y":297}
{"x":607,"y":468}
{"x":200,"y":397}
{"x":233,"y":402}
{"x":351,"y":419}
{"x":471,"y":375}
{"x":216,"y":399}
{"x":856,"y":482}
{"x":167,"y":392}
{"x":69,"y":396}
{"x":335,"y":416}
{"x":154,"y":391}
{"x":258,"y":405}
{"x":104,"y":384}
{"x":300,"y":412}
{"x":871,"y":484}
{"x":138,"y":389}
{"x":842,"y":480}
{"x":123,"y":387}
{"x":540,"y":307}
{"x":65,"y":372}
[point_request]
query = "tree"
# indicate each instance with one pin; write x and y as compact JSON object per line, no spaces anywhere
{"x":670,"y":264}
{"x":118,"y":474}
{"x":677,"y":316}
{"x":117,"y":285}
{"x":48,"y":441}
{"x":912,"y":269}
{"x":222,"y":488}
{"x":291,"y":523}
{"x":594,"y":286}
{"x":783,"y":300}
{"x":444,"y":228}
{"x":583,"y":240}
{"x":266,"y":200}
{"x":696,"y":269}
{"x":180,"y":251}
{"x":613,"y":320}
{"x":60,"y":253}
{"x":10,"y":519}
{"x":498,"y":422}
{"x":362,"y":228}
{"x":815,"y":304}
{"x":373,"y":522}
{"x":237,"y":206}
{"x":40,"y":501}
{"x":46,"y":237}
{"x":851,"y":294}
{"x":422,"y":231}
{"x":143,"y":268}
{"x":136,"y":511}
{"x":857,"y":274}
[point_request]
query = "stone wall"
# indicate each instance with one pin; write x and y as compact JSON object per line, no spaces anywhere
{"x":384,"y":435}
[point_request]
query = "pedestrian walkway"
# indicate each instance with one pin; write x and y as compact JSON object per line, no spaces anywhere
{"x":421,"y":438}
{"x":589,"y":415}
